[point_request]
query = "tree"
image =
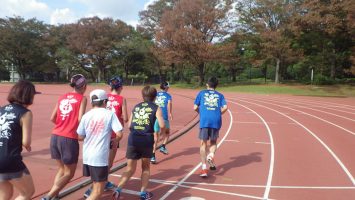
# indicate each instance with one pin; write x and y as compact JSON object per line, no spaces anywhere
{"x":93,"y":39}
{"x":21,"y":44}
{"x":188,"y":32}
{"x":268,"y":20}
{"x":325,"y":31}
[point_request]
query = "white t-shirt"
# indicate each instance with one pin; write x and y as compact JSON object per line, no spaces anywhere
{"x":97,"y":126}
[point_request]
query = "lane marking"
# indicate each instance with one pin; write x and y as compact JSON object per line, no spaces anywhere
{"x":232,"y":141}
{"x":262,"y":142}
{"x":315,"y":136}
{"x":175,"y":183}
{"x":272,"y":149}
{"x":197,"y":166}
{"x":305,"y":114}
{"x":248,"y":186}
{"x":241,"y":122}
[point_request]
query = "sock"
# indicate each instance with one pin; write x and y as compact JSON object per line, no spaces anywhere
{"x":143,"y":193}
{"x":153,"y":155}
{"x":210,"y":155}
{"x":204,"y":166}
{"x":118,"y":189}
{"x":163,"y":145}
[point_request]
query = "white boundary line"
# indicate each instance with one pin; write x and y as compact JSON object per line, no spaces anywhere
{"x":316,"y":137}
{"x":340,"y":127}
{"x":197,"y":166}
{"x":305,"y":107}
{"x":272,"y":153}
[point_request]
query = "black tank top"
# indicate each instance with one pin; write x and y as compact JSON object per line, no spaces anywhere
{"x":11,"y":138}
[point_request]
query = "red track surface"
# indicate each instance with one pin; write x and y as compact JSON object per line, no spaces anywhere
{"x":270,"y":147}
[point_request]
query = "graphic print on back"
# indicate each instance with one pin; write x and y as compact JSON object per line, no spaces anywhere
{"x":5,"y":120}
{"x":65,"y":106}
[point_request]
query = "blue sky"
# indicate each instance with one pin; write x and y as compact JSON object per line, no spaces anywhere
{"x":68,"y":11}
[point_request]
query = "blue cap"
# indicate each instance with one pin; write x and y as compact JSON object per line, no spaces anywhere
{"x":115,"y":82}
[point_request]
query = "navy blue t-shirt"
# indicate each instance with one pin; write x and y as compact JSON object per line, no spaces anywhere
{"x":11,"y":138}
{"x":142,"y":125}
{"x":210,"y":103}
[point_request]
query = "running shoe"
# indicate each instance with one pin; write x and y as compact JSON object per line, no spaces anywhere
{"x":87,"y":193}
{"x":203,"y":173}
{"x":210,"y":161}
{"x":116,"y":194}
{"x":163,"y":150}
{"x":153,"y":160}
{"x":109,"y":186}
{"x":48,"y":198}
{"x":146,"y":195}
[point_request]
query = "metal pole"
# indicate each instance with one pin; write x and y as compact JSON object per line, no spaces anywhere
{"x":312,"y":76}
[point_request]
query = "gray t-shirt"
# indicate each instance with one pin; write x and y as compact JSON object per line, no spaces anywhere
{"x":97,"y":126}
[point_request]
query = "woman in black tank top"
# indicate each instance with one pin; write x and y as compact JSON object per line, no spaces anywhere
{"x":15,"y":133}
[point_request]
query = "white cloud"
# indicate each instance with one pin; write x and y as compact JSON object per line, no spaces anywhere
{"x":24,"y":8}
{"x":148,"y":3}
{"x":62,"y":16}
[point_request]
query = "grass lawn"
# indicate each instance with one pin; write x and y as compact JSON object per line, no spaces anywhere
{"x":307,"y":90}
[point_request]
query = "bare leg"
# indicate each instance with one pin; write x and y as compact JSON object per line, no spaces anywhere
{"x":213,"y":147}
{"x":6,"y":190}
{"x":145,"y":173}
{"x":112,"y":154}
{"x":166,"y":135}
{"x":97,"y":190}
{"x":68,"y":173}
{"x":25,"y":186}
{"x":203,"y":153}
{"x":131,"y":168}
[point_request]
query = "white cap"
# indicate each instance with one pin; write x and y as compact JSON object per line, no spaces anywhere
{"x":100,"y":94}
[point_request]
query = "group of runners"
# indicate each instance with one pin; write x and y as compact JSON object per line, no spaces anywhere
{"x":100,"y":129}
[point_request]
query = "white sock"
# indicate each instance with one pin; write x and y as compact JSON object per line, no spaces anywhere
{"x":204,"y":166}
{"x":210,"y":155}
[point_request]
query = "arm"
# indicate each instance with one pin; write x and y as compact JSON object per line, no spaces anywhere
{"x":130,"y":121}
{"x":159,"y":116}
{"x":54,"y":113}
{"x":81,"y":137}
{"x":196,"y":108}
{"x":26,"y":123}
{"x":82,"y":108}
{"x":124,"y":111}
{"x":224,"y":109}
{"x":170,"y":109}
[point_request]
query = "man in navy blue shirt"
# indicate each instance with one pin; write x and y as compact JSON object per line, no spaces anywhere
{"x":210,"y":104}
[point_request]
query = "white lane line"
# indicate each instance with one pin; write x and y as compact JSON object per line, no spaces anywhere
{"x":175,"y":183}
{"x":231,"y":140}
{"x":197,"y":166}
{"x":305,"y":114}
{"x":241,"y":122}
{"x":272,"y":149}
{"x":315,"y":136}
{"x":314,"y":110}
{"x":262,"y":143}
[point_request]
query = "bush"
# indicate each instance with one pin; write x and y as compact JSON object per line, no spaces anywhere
{"x":320,"y":79}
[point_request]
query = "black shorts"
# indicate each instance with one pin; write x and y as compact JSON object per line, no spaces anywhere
{"x":97,"y":174}
{"x":64,"y":149}
{"x":13,"y":175}
{"x":208,"y":134}
{"x":136,"y":153}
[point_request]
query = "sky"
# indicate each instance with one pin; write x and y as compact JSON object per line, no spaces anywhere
{"x":68,"y":11}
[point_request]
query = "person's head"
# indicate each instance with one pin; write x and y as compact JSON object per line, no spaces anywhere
{"x":78,"y":82}
{"x":22,"y":93}
{"x":149,"y":93}
{"x":212,"y":82}
{"x":115,"y":83}
{"x":164,"y":85}
{"x":98,"y":98}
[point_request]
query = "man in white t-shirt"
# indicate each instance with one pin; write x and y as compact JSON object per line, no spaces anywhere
{"x":95,"y":129}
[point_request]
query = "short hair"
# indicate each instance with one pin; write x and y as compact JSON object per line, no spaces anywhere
{"x":22,"y":93}
{"x":212,"y":82}
{"x":164,"y":85}
{"x":149,"y":93}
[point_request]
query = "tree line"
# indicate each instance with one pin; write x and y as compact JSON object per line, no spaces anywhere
{"x":184,"y":40}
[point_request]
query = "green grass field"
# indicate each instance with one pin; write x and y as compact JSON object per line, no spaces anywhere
{"x":307,"y":90}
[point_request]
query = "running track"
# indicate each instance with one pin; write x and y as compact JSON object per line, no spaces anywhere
{"x":271,"y":147}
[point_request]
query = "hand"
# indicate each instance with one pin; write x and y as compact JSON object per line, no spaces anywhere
{"x":171,"y":118}
{"x":28,"y":148}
